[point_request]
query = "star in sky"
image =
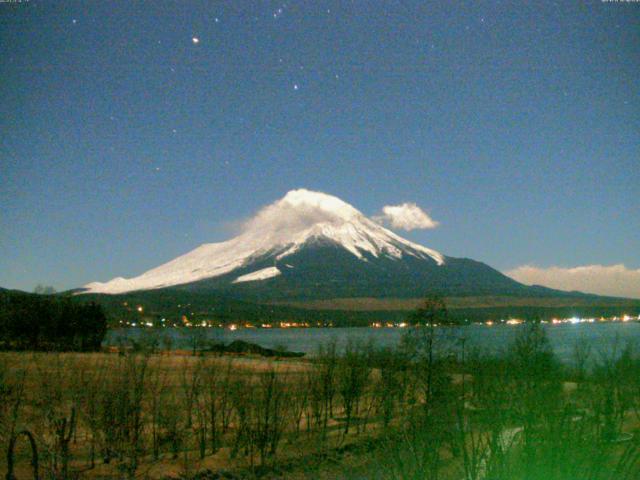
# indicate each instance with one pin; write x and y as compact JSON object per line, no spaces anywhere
{"x":278,"y":13}
{"x":195,"y":40}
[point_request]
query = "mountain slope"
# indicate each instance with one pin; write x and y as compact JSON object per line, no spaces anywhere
{"x":322,"y":269}
{"x":311,"y":245}
{"x":279,"y":231}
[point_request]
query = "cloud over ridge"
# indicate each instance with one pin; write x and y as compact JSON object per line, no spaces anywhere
{"x":406,"y":216}
{"x":614,"y":280}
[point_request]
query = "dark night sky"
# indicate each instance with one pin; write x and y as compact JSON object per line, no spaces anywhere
{"x":126,"y":143}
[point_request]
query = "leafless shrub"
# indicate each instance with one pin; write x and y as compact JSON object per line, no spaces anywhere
{"x":11,"y":452}
{"x":352,"y":376}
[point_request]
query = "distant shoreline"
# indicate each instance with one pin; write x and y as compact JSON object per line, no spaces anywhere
{"x":381,"y":325}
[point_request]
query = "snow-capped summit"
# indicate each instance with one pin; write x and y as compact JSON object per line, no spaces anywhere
{"x":307,"y":199}
{"x":302,"y":218}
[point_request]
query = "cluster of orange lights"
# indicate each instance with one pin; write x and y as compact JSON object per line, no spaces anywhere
{"x":389,"y":325}
{"x":294,"y":325}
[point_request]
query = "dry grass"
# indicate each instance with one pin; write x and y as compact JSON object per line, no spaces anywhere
{"x":370,"y":411}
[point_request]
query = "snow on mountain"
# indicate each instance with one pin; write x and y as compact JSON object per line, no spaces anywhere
{"x":261,"y":274}
{"x":280,"y":229}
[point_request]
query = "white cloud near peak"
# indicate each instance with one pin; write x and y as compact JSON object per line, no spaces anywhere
{"x":406,"y":216}
{"x":613,"y":280}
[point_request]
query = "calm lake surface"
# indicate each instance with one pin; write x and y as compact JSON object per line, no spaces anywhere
{"x":605,"y":338}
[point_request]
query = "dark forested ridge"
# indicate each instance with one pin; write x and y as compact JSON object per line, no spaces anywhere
{"x":49,"y":322}
{"x":79,"y":322}
{"x":177,"y":305}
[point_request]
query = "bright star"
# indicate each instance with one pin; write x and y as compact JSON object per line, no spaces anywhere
{"x":296,"y":86}
{"x":195,"y":40}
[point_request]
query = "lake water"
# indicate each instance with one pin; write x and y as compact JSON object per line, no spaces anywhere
{"x":604,"y":337}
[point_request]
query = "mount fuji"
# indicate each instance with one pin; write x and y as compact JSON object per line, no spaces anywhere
{"x":311,"y":245}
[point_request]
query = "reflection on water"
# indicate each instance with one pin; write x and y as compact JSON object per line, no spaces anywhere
{"x":604,"y":338}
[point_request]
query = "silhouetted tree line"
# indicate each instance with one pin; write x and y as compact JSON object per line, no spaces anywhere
{"x":37,"y":322}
